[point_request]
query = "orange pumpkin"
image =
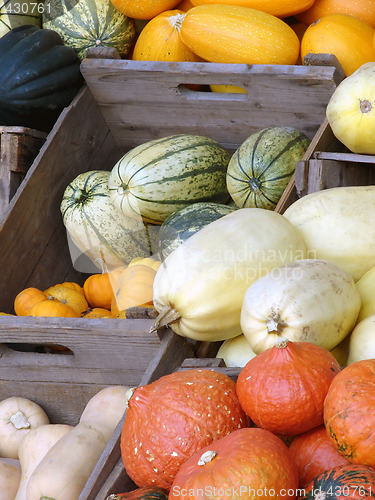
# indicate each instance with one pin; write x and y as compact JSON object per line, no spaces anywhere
{"x":27,"y":299}
{"x":73,"y":286}
{"x":98,"y":312}
{"x":98,"y":290}
{"x":348,"y":38}
{"x":143,"y":9}
{"x":232,"y":34}
{"x":313,"y":453}
{"x":283,"y":388}
{"x":53,"y":308}
{"x":134,"y":288}
{"x":185,"y":5}
{"x":160,"y":40}
{"x":362,"y":9}
{"x":68,"y":296}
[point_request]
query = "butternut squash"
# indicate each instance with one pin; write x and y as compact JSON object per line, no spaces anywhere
{"x":17,"y":417}
{"x":10,"y":475}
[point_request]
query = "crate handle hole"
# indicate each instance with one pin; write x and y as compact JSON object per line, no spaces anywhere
{"x":40,"y":348}
{"x":216,"y":91}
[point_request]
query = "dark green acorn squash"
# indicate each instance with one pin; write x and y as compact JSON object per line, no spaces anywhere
{"x":39,"y":76}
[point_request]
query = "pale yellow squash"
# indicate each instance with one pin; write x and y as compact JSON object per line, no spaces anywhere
{"x":10,"y":476}
{"x":351,"y":110}
{"x":200,"y":286}
{"x":236,"y":352}
{"x":362,"y":340}
{"x":338,"y":224}
{"x":306,"y":301}
{"x":366,"y":288}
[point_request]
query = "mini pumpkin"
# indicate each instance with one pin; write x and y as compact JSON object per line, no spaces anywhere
{"x":53,"y":308}
{"x":98,"y":290}
{"x":72,"y":298}
{"x":27,"y":299}
{"x":98,"y":312}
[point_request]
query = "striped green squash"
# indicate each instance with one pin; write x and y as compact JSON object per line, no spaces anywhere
{"x":161,"y":176}
{"x":183,"y":223}
{"x":262,"y":166}
{"x":15,"y":13}
{"x":89,"y":23}
{"x":107,"y":237}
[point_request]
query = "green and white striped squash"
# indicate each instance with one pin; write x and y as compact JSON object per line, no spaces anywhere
{"x":15,"y":13}
{"x":89,"y":23}
{"x":262,"y":166}
{"x":161,"y":176}
{"x":183,"y":223}
{"x":106,"y":236}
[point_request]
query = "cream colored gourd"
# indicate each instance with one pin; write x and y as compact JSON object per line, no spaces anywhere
{"x":10,"y":475}
{"x":366,"y":288}
{"x":306,"y":301}
{"x":338,"y":224}
{"x":199,"y":288}
{"x":17,"y":417}
{"x":362,"y":340}
{"x":351,"y":110}
{"x":236,"y":352}
{"x":65,"y":469}
{"x":33,"y":448}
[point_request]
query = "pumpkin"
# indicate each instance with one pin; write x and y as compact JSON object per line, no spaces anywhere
{"x":158,"y":177}
{"x":228,"y":89}
{"x":98,"y":312}
{"x":39,"y":76}
{"x":185,"y":5}
{"x":362,"y":9}
{"x":142,"y":494}
{"x":14,"y":13}
{"x":143,"y":9}
{"x":260,"y":169}
{"x":345,"y":36}
{"x":170,"y":419}
{"x":27,"y":299}
{"x":53,"y":307}
{"x":350,"y":112}
{"x":233,"y":34}
{"x":361,"y":342}
{"x":98,"y":290}
{"x":280,"y":9}
{"x":89,"y":23}
{"x":347,"y":418}
{"x":183,"y":223}
{"x":251,"y":461}
{"x":310,"y":300}
{"x":313,"y":454}
{"x":160,"y":40}
{"x":200,"y":287}
{"x":283,"y":388}
{"x":236,"y":351}
{"x":325,"y":218}
{"x":68,"y":296}
{"x":341,"y":483}
{"x":107,"y":237}
{"x":73,"y":285}
{"x":10,"y":476}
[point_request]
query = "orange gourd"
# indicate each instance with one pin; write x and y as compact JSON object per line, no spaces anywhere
{"x":160,"y":40}
{"x":362,"y":9}
{"x":27,"y":299}
{"x":98,"y":290}
{"x":69,"y":297}
{"x":232,"y":34}
{"x":73,"y":286}
{"x":143,"y":9}
{"x":185,"y":5}
{"x":279,"y":8}
{"x":53,"y":308}
{"x":98,"y":312}
{"x":347,"y":37}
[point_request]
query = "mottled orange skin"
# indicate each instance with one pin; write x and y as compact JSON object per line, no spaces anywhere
{"x":349,"y":414}
{"x":170,"y":419}
{"x":314,"y":453}
{"x":250,"y":459}
{"x":283,"y":389}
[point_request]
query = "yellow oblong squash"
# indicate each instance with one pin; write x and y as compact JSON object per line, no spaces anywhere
{"x":233,"y":34}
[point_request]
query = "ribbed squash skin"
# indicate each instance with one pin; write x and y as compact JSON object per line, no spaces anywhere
{"x":14,"y":13}
{"x":260,"y":169}
{"x":143,"y":9}
{"x":362,"y":9}
{"x":108,"y":238}
{"x":346,"y":37}
{"x":161,"y":176}
{"x":90,"y":23}
{"x":232,"y":34}
{"x":183,"y":223}
{"x":279,"y":8}
{"x":160,"y":40}
{"x":39,"y":76}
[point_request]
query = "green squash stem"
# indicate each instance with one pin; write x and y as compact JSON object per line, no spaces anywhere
{"x":166,"y":317}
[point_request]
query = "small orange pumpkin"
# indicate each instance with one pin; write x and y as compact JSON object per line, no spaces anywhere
{"x":27,"y":299}
{"x":362,"y":9}
{"x":98,"y":290}
{"x":53,"y":308}
{"x":143,"y":9}
{"x":68,"y":296}
{"x":98,"y":312}
{"x":73,"y":286}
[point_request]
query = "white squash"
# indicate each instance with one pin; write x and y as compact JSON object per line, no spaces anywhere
{"x":33,"y":448}
{"x":10,"y":475}
{"x":199,"y":288}
{"x":236,"y":352}
{"x":366,"y":288}
{"x":337,"y":224}
{"x":65,"y":469}
{"x":306,"y":301}
{"x":17,"y":417}
{"x":362,"y":340}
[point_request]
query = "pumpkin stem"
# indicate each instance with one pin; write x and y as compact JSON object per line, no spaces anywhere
{"x":207,"y":457}
{"x":19,"y":420}
{"x":281,"y":342}
{"x":176,"y":21}
{"x":167,"y":316}
{"x":365,"y":106}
